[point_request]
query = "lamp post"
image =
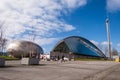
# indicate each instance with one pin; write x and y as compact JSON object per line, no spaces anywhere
{"x":108,"y":37}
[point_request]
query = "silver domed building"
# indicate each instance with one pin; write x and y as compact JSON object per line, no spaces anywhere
{"x":24,"y":49}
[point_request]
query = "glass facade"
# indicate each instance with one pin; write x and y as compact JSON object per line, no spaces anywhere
{"x":79,"y":46}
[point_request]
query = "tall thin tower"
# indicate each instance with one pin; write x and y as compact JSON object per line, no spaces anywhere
{"x":108,"y":36}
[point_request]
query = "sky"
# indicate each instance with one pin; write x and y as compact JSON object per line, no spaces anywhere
{"x":46,"y":22}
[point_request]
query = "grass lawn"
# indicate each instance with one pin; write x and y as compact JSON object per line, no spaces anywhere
{"x":89,"y":59}
{"x":8,"y":58}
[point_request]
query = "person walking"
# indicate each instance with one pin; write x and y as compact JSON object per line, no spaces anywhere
{"x":63,"y":59}
{"x":58,"y":58}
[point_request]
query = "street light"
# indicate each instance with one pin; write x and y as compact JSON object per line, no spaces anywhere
{"x":108,"y":37}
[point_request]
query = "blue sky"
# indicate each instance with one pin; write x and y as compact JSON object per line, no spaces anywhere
{"x":89,"y":22}
{"x":49,"y":21}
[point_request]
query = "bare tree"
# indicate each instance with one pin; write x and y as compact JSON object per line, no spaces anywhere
{"x":106,"y":51}
{"x":114,"y":52}
{"x":100,"y":46}
{"x":32,"y":37}
{"x":3,"y":41}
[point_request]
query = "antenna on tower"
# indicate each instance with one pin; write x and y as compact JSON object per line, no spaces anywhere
{"x":107,"y":14}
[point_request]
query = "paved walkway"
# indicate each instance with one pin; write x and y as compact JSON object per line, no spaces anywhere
{"x":74,"y":70}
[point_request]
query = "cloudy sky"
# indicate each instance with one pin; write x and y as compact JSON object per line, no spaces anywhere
{"x":48,"y":21}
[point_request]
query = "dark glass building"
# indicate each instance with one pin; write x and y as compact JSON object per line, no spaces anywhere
{"x":76,"y":47}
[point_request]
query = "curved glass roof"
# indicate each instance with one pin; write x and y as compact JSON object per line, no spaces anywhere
{"x":78,"y":45}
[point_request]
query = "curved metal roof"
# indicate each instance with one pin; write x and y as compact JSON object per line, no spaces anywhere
{"x":78,"y":45}
{"x":18,"y":48}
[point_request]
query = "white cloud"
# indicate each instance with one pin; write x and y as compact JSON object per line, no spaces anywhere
{"x":73,"y":3}
{"x":118,"y":45}
{"x":95,"y":42}
{"x":46,"y":41}
{"x":105,"y":43}
{"x":24,"y":17}
{"x":113,"y":5}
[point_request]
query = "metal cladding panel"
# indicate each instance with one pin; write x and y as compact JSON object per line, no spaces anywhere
{"x":82,"y":49}
{"x":76,"y":46}
{"x":72,"y":44}
{"x":79,"y":45}
{"x":92,"y":46}
{"x":18,"y":48}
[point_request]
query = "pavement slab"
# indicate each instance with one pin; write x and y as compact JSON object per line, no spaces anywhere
{"x":55,"y":70}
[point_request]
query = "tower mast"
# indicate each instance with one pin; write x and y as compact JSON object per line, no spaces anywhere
{"x":108,"y":37}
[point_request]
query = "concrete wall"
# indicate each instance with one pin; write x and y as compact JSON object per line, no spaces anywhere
{"x":2,"y":62}
{"x":30,"y":61}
